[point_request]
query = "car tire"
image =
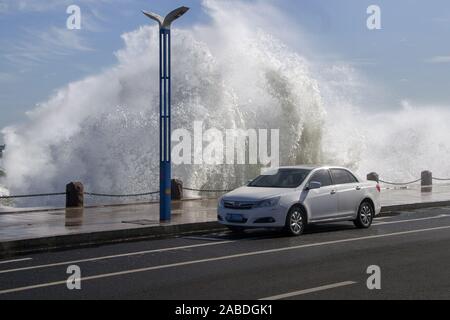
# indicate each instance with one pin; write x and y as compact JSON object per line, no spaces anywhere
{"x":236,"y":229}
{"x":365,"y":215}
{"x":295,"y":221}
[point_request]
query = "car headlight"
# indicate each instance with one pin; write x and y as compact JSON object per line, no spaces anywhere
{"x":268,"y":203}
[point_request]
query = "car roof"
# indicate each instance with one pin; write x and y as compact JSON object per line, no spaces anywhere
{"x":312,"y":167}
{"x":306,"y":167}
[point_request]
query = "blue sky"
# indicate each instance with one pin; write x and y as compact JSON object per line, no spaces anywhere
{"x":409,"y":59}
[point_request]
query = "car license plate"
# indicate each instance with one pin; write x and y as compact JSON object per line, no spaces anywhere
{"x":232,"y":217}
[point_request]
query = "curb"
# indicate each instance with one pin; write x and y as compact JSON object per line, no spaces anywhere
{"x":83,"y":240}
{"x":413,"y":206}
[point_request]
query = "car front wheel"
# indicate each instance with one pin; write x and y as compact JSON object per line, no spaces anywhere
{"x":365,"y":215}
{"x":295,"y":221}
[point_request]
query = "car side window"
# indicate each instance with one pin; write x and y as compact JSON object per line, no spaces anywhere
{"x":322,"y":176}
{"x":341,"y":176}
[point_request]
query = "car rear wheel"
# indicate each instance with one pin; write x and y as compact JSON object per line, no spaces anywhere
{"x":365,"y":215}
{"x":295,"y":221}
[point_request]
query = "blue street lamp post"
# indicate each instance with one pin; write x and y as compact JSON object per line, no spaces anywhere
{"x":164,"y":109}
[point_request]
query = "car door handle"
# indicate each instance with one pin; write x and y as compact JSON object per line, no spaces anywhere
{"x":358,"y":188}
{"x":333,"y":192}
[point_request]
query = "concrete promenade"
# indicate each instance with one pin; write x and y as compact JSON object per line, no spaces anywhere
{"x":46,"y":229}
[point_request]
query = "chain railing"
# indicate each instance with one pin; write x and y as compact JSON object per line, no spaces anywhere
{"x":93,"y":194}
{"x":207,"y":190}
{"x":441,"y":179}
{"x":400,"y":183}
{"x":120,"y":195}
{"x":33,"y":195}
{"x":105,"y":195}
{"x":411,"y":182}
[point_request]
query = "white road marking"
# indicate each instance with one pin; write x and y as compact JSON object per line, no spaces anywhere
{"x":16,"y":260}
{"x":234,"y":256}
{"x":311,"y":290}
{"x":112,"y":257}
{"x":219,"y":238}
{"x":202,"y":238}
{"x":410,"y":220}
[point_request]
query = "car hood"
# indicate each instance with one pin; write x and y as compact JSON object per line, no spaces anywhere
{"x":254,"y":194}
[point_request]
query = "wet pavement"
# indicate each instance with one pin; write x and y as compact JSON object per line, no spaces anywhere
{"x":398,"y":196}
{"x":39,"y":224}
{"x":29,"y":225}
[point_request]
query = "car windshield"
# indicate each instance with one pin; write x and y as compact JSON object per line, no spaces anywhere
{"x":280,"y":178}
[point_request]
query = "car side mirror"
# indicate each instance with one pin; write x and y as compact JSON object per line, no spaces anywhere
{"x":314,"y":185}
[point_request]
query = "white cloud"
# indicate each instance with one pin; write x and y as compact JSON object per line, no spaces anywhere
{"x":38,"y":46}
{"x":41,"y":46}
{"x":63,"y":39}
{"x":7,"y":78}
{"x":439,"y":59}
{"x":41,"y":5}
{"x":3,"y":7}
{"x":93,"y":20}
{"x":29,"y":5}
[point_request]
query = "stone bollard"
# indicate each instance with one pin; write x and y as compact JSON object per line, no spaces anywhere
{"x":427,"y":181}
{"x":74,"y":195}
{"x":177,"y":189}
{"x":373,"y":176}
{"x":74,"y":217}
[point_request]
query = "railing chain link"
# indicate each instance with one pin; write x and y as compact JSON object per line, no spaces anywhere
{"x":205,"y":190}
{"x":34,"y":195}
{"x":400,"y":183}
{"x":120,"y":195}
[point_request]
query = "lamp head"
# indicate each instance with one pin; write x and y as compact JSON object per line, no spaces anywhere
{"x":167,"y":21}
{"x":154,"y":16}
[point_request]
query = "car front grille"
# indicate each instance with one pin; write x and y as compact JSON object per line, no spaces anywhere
{"x":238,"y":205}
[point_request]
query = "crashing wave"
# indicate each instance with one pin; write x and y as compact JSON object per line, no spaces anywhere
{"x":103,"y":130}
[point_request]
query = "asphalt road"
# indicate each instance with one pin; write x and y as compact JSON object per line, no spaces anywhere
{"x":412,"y":250}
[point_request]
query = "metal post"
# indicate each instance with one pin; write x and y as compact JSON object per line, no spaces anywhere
{"x":164,"y":109}
{"x":165,"y":163}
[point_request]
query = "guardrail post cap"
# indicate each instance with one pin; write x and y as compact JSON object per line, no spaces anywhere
{"x":373,"y":176}
{"x":176,"y":189}
{"x":426,"y":181}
